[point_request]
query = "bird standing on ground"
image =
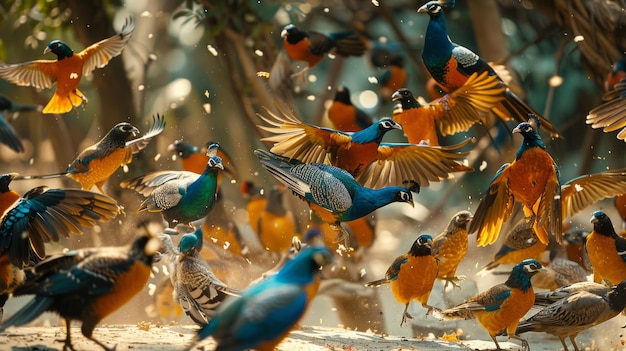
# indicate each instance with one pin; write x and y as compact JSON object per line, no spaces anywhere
{"x":181,"y":197}
{"x":531,"y":179}
{"x":606,"y":250}
{"x":569,"y":316}
{"x":67,"y":70}
{"x":310,"y":46}
{"x":503,"y":305}
{"x":345,"y":116}
{"x":8,"y":135}
{"x":97,"y":163}
{"x":412,"y":276}
{"x":450,"y":247}
{"x":451,"y":65}
{"x":265,"y":313}
{"x":94,"y":286}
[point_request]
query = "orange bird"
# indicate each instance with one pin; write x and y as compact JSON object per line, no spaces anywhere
{"x":310,"y":47}
{"x":67,"y":69}
{"x":450,"y":247}
{"x":277,"y":225}
{"x":532,"y":179}
{"x":606,"y":250}
{"x":452,"y":113}
{"x":344,"y":115}
{"x":257,"y":201}
{"x":503,"y":305}
{"x":220,"y":229}
{"x":412,"y":276}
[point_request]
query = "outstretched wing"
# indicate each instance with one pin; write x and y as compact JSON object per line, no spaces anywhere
{"x":99,"y":54}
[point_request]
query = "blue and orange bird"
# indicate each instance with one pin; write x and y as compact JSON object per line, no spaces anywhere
{"x":310,"y":46}
{"x":452,"y":113}
{"x":196,"y":288}
{"x":501,"y":306}
{"x":194,"y":159}
{"x":67,"y":70}
{"x":180,"y":196}
{"x":571,"y":315}
{"x":611,"y":115}
{"x":346,"y":117}
{"x":373,"y":163}
{"x":531,"y":179}
{"x":332,"y":192}
{"x":257,"y":201}
{"x":220,"y":229}
{"x":277,"y":225}
{"x":97,"y":163}
{"x":450,"y":247}
{"x":87,"y":286}
{"x":412,"y":276}
{"x":40,"y":216}
{"x":265,"y":312}
{"x":606,"y":250}
{"x":394,"y":75}
{"x":451,"y":65}
{"x":8,"y":135}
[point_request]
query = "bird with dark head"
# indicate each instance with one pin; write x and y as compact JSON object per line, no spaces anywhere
{"x":344,"y":115}
{"x":451,"y":65}
{"x":606,"y":250}
{"x":531,"y":179}
{"x":412,"y":276}
{"x":87,"y":286}
{"x":450,"y":247}
{"x":265,"y":312}
{"x":8,"y":135}
{"x":501,"y":306}
{"x":577,"y":312}
{"x":67,"y":70}
{"x":97,"y":163}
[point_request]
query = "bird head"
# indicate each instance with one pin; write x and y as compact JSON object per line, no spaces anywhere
{"x":187,"y":243}
{"x":59,"y":48}
{"x":386,"y":124}
{"x":5,"y":180}
{"x":182,"y":149}
{"x":462,"y":218}
{"x":406,"y":98}
{"x":422,"y":246}
{"x":404,"y":196}
{"x":124,"y":131}
{"x":602,"y":224}
{"x":432,"y":8}
{"x":343,"y":95}
{"x":215,"y":162}
{"x":292,"y":34}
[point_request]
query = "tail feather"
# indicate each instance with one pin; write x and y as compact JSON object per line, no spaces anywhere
{"x":29,"y":312}
{"x":512,"y":107}
{"x":457,"y":313}
{"x":378,"y":282}
{"x":351,"y":45}
{"x":484,"y":271}
{"x":62,"y":104}
{"x":42,"y":176}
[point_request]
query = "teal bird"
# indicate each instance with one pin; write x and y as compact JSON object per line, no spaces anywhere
{"x":265,"y":313}
{"x":196,"y":288}
{"x":8,"y":135}
{"x":330,"y":191}
{"x":180,"y":196}
{"x":572,"y":314}
{"x":87,"y":286}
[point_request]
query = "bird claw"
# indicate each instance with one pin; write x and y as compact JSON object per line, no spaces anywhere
{"x":405,"y":315}
{"x":454,"y":281}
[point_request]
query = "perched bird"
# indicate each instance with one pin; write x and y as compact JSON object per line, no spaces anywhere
{"x":265,"y":313}
{"x":569,"y":316}
{"x":310,"y":46}
{"x":220,"y":229}
{"x":451,"y":65}
{"x":277,"y":225}
{"x":606,"y":250}
{"x":67,"y":70}
{"x":330,"y":191}
{"x":345,"y":116}
{"x":520,"y":243}
{"x":257,"y":201}
{"x":412,"y":276}
{"x":503,"y":305}
{"x":87,"y":286}
{"x":196,"y":288}
{"x":450,"y":247}
{"x":452,"y":113}
{"x":531,"y":179}
{"x":8,"y":135}
{"x":611,"y":115}
{"x":194,"y":159}
{"x":95,"y":164}
{"x":180,"y":196}
{"x":393,"y":77}
{"x":374,"y":164}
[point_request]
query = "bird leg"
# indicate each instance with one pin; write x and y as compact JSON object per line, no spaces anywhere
{"x":101,"y":344}
{"x":342,"y":237}
{"x":301,"y":75}
{"x":525,"y":346}
{"x":572,"y":338}
{"x":453,"y":281}
{"x":67,"y":342}
{"x":493,"y":337}
{"x":405,"y":315}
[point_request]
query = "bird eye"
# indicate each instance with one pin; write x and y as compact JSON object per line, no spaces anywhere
{"x":434,"y":8}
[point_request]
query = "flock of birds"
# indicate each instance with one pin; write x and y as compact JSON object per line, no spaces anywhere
{"x":344,"y":175}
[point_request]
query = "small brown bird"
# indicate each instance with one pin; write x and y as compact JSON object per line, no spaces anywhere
{"x":450,"y":247}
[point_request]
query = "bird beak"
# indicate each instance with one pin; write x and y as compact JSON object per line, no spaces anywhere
{"x":135,"y":131}
{"x":46,"y":50}
{"x":593,"y":220}
{"x":283,"y":33}
{"x":14,"y":175}
{"x":171,"y":147}
{"x":422,"y":9}
{"x":396,"y":96}
{"x":516,"y":130}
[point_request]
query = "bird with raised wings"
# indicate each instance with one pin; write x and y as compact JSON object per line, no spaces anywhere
{"x":67,"y":70}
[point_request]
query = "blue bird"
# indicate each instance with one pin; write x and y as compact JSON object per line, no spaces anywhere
{"x":332,"y":192}
{"x":265,"y":313}
{"x":196,"y":288}
{"x":180,"y":196}
{"x":8,"y":135}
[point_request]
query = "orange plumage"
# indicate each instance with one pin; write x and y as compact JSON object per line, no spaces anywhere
{"x":450,"y":247}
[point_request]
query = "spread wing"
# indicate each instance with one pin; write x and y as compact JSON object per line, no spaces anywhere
{"x":40,"y":74}
{"x":99,"y":54}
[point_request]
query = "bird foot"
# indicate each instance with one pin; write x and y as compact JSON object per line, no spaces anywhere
{"x":67,"y":344}
{"x":301,"y":76}
{"x":405,"y":315}
{"x":454,"y":281}
{"x":435,"y":312}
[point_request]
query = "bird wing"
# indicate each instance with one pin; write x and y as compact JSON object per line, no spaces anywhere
{"x":9,"y":137}
{"x":493,"y":209}
{"x":147,"y":183}
{"x":545,"y":298}
{"x":586,"y":190}
{"x":98,"y":55}
{"x":611,"y":115}
{"x":39,"y":73}
{"x":298,"y":140}
{"x":48,"y":214}
{"x":399,"y":162}
{"x":467,"y":105}
{"x":550,"y":207}
{"x":581,"y":308}
{"x":136,"y":145}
